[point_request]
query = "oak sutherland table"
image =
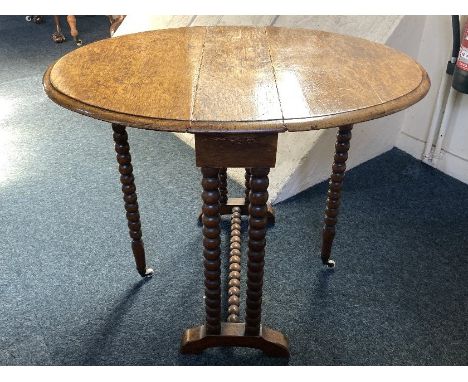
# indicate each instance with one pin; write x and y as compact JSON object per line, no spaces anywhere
{"x":236,"y":89}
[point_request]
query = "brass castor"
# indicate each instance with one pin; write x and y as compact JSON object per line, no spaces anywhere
{"x":147,"y":273}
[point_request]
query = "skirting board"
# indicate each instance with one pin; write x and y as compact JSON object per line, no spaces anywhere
{"x":448,"y":163}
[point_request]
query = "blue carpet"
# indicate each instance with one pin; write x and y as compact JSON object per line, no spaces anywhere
{"x":70,"y":294}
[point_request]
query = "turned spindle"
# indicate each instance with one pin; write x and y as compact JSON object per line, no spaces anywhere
{"x":234,"y":267}
{"x":211,"y":252}
{"x":343,"y":138}
{"x":258,"y":198}
{"x":127,"y":179}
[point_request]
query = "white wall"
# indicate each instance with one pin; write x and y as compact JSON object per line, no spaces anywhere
{"x":435,"y":49}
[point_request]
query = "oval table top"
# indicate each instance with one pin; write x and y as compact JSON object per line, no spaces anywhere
{"x":235,"y":79}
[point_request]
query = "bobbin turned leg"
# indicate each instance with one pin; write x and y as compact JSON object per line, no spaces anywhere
{"x":270,"y":209}
{"x":334,"y":192}
{"x":130,"y":197}
{"x":258,"y":198}
{"x":222,"y":187}
{"x":211,"y":252}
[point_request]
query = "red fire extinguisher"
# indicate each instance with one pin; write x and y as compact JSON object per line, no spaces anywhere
{"x":460,"y":74}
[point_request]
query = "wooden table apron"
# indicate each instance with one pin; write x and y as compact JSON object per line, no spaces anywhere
{"x":236,"y":89}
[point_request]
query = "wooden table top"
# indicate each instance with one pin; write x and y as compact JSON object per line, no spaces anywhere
{"x":235,"y":79}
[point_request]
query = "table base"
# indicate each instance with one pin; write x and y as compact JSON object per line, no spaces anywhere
{"x":215,"y":153}
{"x":271,"y":342}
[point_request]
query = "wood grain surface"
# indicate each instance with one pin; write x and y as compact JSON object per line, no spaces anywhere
{"x":235,"y":79}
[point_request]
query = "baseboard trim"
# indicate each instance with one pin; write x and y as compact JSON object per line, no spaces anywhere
{"x":450,"y":164}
